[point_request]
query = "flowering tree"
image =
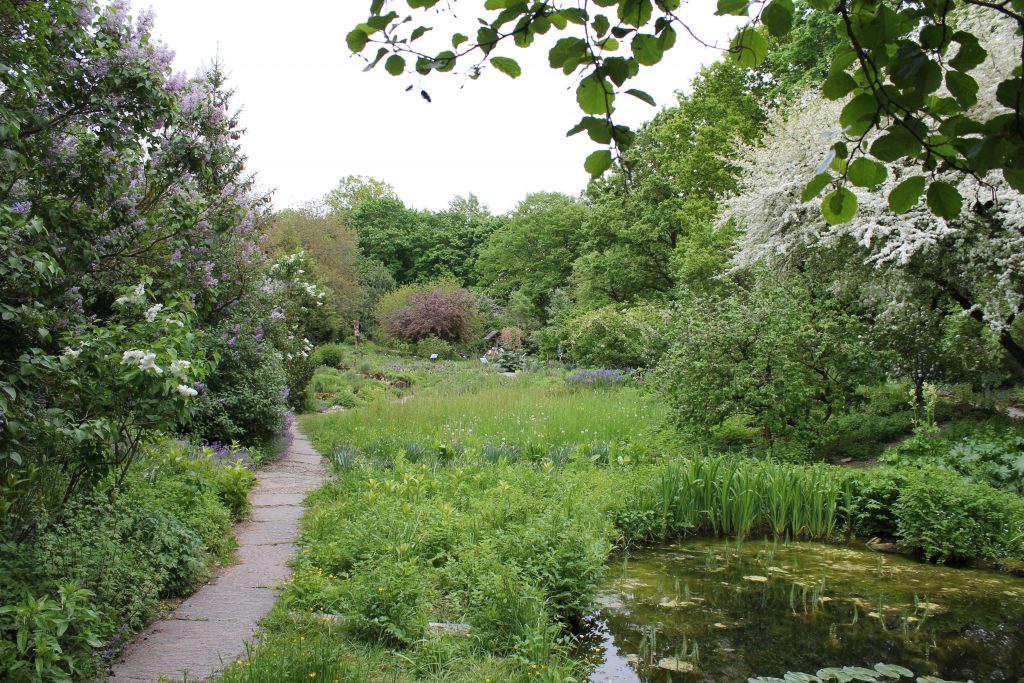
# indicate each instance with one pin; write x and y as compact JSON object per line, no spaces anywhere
{"x":970,"y":258}
{"x":130,"y":238}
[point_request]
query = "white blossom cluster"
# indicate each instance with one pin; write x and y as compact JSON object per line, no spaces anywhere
{"x":145,"y":360}
{"x":984,"y":244}
{"x":152,"y":312}
{"x":137,"y":296}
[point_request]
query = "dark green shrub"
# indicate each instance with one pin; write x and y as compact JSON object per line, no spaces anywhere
{"x":299,"y":370}
{"x":431,"y":345}
{"x":88,"y":545}
{"x":873,"y":493}
{"x":949,"y":518}
{"x":992,"y":458}
{"x":189,"y":490}
{"x":245,"y":397}
{"x":233,"y":484}
{"x":331,"y":355}
{"x":920,"y":449}
{"x":504,"y":608}
{"x":171,"y":552}
{"x":563,"y":557}
{"x":985,"y":454}
{"x":863,"y":435}
{"x":128,"y":551}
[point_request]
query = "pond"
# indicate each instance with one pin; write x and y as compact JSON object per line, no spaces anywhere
{"x":705,"y":610}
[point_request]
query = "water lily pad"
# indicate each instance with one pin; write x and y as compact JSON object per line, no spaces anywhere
{"x":670,"y":604}
{"x":678,"y":665}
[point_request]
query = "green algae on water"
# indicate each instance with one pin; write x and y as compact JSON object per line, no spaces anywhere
{"x":767,"y":607}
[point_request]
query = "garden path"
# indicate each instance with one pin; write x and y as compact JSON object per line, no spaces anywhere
{"x":209,"y":630}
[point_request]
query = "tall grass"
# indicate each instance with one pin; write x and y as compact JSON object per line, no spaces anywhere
{"x":492,"y":421}
{"x":736,"y":497}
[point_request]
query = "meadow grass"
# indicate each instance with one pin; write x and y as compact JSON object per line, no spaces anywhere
{"x":498,"y":419}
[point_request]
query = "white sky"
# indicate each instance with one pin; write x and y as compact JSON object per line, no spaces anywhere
{"x":312,"y":116}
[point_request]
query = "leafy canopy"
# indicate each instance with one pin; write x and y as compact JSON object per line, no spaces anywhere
{"x":904,"y":69}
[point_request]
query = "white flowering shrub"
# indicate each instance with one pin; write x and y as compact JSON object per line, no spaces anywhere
{"x":970,"y":258}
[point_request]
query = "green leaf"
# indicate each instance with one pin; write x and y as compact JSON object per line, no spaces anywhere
{"x":395,"y":65}
{"x":594,"y":95}
{"x":838,"y":85}
{"x":906,"y":194}
{"x":600,"y":25}
{"x":839,"y":206}
{"x":970,"y":54}
{"x":865,"y":172}
{"x":635,"y":12}
{"x":944,"y":200}
{"x":599,"y":130}
{"x":620,"y":69}
{"x":647,"y":49}
{"x":459,"y":39}
{"x":963,"y":88}
{"x":507,"y":66}
{"x":1015,"y":178}
{"x":895,"y":144}
{"x":748,"y":48}
{"x":893,"y":670}
{"x":356,"y":40}
{"x":734,"y":7}
{"x":418,"y":32}
{"x":598,"y":162}
{"x":486,"y":38}
{"x":777,"y":17}
{"x":859,"y":115}
{"x":814,"y":188}
{"x":567,"y":54}
{"x":1008,"y":93}
{"x":641,"y":95}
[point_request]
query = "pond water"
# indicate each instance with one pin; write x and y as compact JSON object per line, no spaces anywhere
{"x":708,"y":611}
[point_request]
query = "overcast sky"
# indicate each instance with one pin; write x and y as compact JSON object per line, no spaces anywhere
{"x":312,"y":116}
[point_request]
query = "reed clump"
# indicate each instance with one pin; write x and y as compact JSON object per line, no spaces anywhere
{"x":729,"y":496}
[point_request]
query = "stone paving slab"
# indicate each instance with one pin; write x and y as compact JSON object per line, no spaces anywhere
{"x":209,"y":630}
{"x":175,"y":641}
{"x":272,"y":513}
{"x":228,"y":601}
{"x":263,"y":499}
